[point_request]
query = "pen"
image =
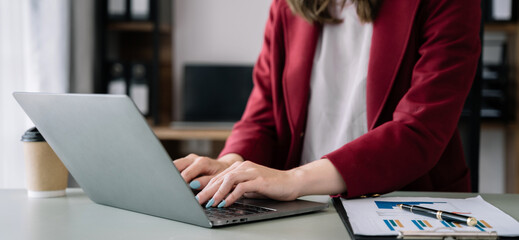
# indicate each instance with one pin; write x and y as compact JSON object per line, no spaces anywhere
{"x":440,"y":215}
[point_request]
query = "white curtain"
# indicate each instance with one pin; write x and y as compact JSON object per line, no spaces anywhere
{"x":34,"y":56}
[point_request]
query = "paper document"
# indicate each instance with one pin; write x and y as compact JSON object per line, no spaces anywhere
{"x":381,"y":216}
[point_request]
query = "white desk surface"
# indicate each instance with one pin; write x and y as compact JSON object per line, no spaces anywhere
{"x":77,"y":217}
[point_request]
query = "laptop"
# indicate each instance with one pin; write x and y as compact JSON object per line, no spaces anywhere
{"x":108,"y":147}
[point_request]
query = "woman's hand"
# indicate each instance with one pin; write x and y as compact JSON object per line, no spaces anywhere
{"x":197,"y":170}
{"x":250,"y":180}
{"x":255,"y":181}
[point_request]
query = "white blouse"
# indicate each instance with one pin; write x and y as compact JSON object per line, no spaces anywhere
{"x":337,"y":107}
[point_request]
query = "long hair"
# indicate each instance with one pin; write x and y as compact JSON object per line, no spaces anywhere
{"x":319,"y":10}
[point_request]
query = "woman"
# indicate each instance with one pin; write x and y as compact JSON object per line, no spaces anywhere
{"x":381,"y":82}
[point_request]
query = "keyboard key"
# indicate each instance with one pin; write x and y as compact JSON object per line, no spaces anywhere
{"x":235,"y":210}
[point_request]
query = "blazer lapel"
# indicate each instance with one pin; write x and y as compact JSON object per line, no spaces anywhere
{"x":391,"y":32}
{"x":300,"y":42}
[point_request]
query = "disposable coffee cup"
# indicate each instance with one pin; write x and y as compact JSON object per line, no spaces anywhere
{"x":46,"y":174}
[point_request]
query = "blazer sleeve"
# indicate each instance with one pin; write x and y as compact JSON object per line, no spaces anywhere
{"x":399,"y":151}
{"x":254,"y":136}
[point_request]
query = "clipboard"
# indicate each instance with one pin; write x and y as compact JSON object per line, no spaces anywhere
{"x":337,"y":203}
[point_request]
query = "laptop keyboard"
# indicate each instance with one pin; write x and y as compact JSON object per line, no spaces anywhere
{"x":235,"y":210}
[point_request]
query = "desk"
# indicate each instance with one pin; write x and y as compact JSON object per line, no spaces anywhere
{"x":76,"y":217}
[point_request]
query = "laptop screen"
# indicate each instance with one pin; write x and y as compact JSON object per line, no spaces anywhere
{"x":215,"y":93}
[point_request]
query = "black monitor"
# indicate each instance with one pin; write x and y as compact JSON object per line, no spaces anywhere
{"x":215,"y":93}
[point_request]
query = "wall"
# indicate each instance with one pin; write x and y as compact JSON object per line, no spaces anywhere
{"x":82,"y":47}
{"x":492,"y":158}
{"x":223,"y":31}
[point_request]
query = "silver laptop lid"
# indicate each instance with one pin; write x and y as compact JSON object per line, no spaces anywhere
{"x":110,"y":150}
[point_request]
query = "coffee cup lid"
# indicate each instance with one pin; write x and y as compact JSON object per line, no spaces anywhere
{"x":32,"y":135}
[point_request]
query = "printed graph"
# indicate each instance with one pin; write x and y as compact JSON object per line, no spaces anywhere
{"x":421,"y":224}
{"x":391,"y":205}
{"x":428,"y":225}
{"x":373,"y":217}
{"x":395,"y":219}
{"x":482,"y":224}
{"x":394,"y":224}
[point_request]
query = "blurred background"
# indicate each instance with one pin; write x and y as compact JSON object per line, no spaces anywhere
{"x":187,"y":65}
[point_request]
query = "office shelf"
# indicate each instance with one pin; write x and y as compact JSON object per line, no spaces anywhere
{"x":148,"y":43}
{"x":168,"y":133}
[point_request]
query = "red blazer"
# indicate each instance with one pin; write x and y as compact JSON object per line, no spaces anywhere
{"x":422,"y":63}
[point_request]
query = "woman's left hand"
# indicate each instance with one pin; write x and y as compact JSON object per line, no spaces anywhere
{"x":250,"y":180}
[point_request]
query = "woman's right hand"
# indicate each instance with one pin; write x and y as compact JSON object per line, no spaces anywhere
{"x":198,"y":171}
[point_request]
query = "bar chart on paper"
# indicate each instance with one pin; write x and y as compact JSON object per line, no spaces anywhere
{"x":389,"y":208}
{"x":381,"y":216}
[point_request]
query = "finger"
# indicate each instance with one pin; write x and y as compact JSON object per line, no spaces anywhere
{"x":208,"y":192}
{"x":183,"y":163}
{"x":218,"y":177}
{"x":200,"y":182}
{"x":229,"y":181}
{"x":199,"y":166}
{"x":229,"y":169}
{"x":240,"y":190}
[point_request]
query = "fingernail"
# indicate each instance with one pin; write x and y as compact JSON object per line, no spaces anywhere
{"x":195,"y":184}
{"x":221,"y":204}
{"x":210,"y":203}
{"x":197,"y":199}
